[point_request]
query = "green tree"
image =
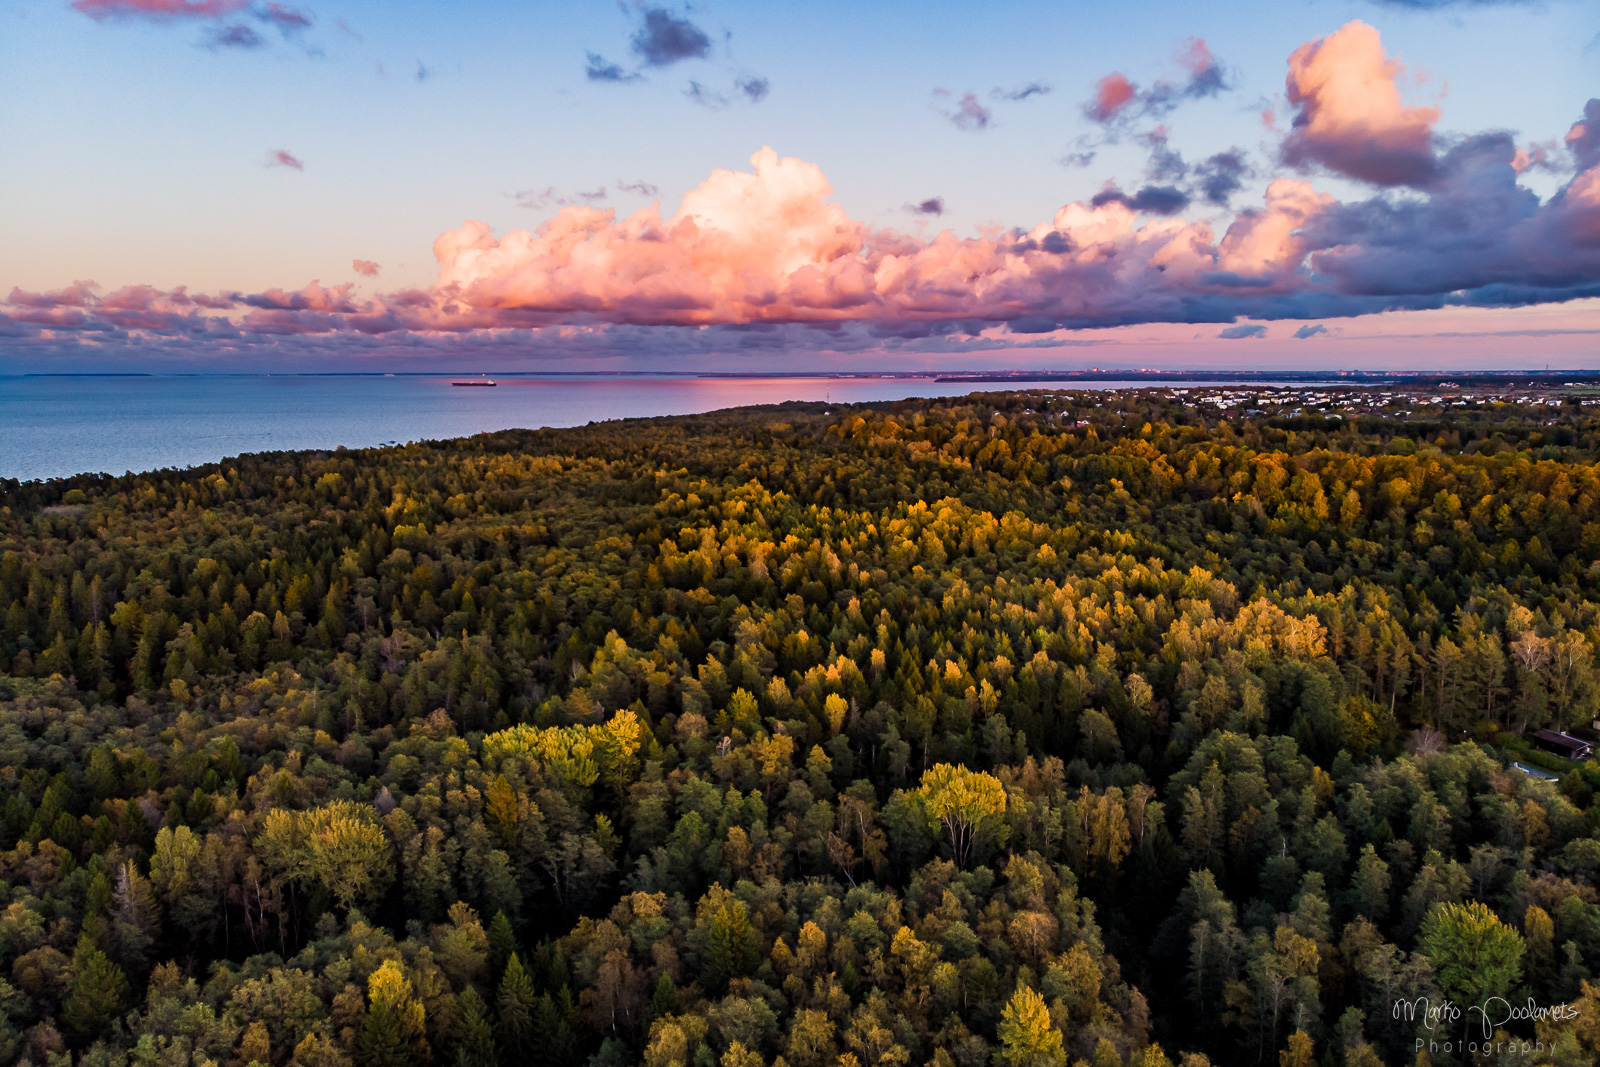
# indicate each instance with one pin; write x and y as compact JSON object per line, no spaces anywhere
{"x":730,"y":947}
{"x":473,"y":1036}
{"x":516,"y":1002}
{"x":1474,"y":954}
{"x":98,"y":993}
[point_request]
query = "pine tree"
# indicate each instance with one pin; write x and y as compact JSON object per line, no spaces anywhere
{"x":393,"y":1034}
{"x":517,"y":1001}
{"x":664,"y":1001}
{"x":502,"y":943}
{"x":99,"y":991}
{"x":555,"y":1038}
{"x":474,"y":1037}
{"x":381,"y":1043}
{"x":730,"y":947}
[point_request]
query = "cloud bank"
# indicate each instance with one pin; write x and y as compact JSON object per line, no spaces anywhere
{"x":753,"y":252}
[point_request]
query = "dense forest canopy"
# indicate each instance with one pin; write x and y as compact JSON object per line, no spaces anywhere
{"x":1030,"y":728}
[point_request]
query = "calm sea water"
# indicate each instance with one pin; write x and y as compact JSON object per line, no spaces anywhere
{"x":54,"y":426}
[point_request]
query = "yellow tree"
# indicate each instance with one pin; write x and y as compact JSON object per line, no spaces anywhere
{"x":1026,"y":1037}
{"x":962,"y":802}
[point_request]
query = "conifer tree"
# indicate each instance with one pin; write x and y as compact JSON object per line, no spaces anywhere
{"x":516,"y":1000}
{"x":502,"y":943}
{"x":730,"y":948}
{"x":98,"y":994}
{"x":473,"y":1035}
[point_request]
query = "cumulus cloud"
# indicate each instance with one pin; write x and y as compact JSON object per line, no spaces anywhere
{"x":1349,"y":116}
{"x":1248,"y":330}
{"x":665,"y":38}
{"x":1310,"y":329}
{"x":282,"y":158}
{"x":365,"y":267}
{"x":768,"y":246}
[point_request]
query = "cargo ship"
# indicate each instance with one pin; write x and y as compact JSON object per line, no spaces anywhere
{"x":474,"y":381}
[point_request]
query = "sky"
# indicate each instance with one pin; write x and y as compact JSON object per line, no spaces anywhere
{"x":247,"y":185}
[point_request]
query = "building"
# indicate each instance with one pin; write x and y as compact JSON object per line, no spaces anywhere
{"x":1562,"y":744}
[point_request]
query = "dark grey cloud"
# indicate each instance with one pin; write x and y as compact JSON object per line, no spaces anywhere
{"x":638,"y":188}
{"x":934,"y":205}
{"x":1221,"y":175}
{"x":665,"y":38}
{"x":1151,"y":200}
{"x":1310,"y":329}
{"x":1248,"y":330}
{"x":753,"y":88}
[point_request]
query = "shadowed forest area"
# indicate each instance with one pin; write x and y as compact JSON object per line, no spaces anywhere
{"x":1025,"y":729}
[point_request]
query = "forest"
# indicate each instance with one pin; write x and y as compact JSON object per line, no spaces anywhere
{"x":1025,"y":729}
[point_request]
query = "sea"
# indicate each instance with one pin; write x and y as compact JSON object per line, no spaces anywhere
{"x":57,"y":425}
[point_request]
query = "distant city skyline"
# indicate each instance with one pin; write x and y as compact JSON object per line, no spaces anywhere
{"x":224,"y":185}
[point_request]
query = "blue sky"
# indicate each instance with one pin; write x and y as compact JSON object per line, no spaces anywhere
{"x":137,"y":149}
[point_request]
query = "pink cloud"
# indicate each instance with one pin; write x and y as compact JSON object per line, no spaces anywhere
{"x":365,"y":267}
{"x":1349,"y":116}
{"x":1112,"y":94}
{"x":78,"y":294}
{"x":282,"y":158}
{"x":158,"y":10}
{"x":1195,"y":57}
